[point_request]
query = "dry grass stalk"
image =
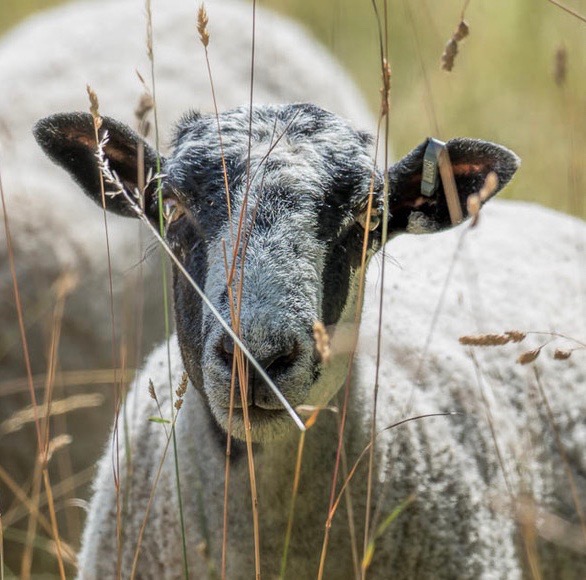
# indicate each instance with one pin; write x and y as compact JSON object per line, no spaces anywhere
{"x":451,"y":49}
{"x":475,"y":201}
{"x":1,"y":548}
{"x":492,"y":339}
{"x":149,"y":505}
{"x":518,"y":336}
{"x":144,"y":106}
{"x":292,"y":506}
{"x":56,"y":444}
{"x":386,"y":88}
{"x":313,"y":411}
{"x":65,"y":378}
{"x":568,"y":10}
{"x":563,"y":454}
{"x":65,"y":284}
{"x":322,"y":341}
{"x":94,"y":110}
{"x":73,"y":403}
{"x":450,"y":190}
{"x":25,"y":504}
{"x":21,"y":510}
{"x":20,"y":315}
{"x":202,"y":24}
{"x":560,"y":68}
{"x":526,"y":511}
{"x":352,"y":349}
{"x":41,"y":473}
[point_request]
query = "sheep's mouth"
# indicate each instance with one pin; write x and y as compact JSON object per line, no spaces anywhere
{"x":257,"y":412}
{"x":265,"y":424}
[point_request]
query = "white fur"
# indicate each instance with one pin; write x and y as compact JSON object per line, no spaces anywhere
{"x":522,"y":269}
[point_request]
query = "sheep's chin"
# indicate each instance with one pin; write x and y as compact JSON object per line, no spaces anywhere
{"x":266,"y":425}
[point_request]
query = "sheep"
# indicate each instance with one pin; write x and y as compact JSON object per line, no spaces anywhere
{"x":44,"y":67}
{"x":305,"y":182}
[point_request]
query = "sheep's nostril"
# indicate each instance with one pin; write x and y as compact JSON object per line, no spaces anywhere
{"x":275,"y":364}
{"x":281,"y":361}
{"x":226,"y":350}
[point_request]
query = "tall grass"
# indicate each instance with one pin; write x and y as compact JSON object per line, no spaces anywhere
{"x":484,"y":99}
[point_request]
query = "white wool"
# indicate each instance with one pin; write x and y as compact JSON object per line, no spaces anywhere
{"x":520,"y":269}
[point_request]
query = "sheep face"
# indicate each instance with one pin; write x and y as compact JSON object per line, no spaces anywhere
{"x":268,"y":216}
{"x":292,"y":229}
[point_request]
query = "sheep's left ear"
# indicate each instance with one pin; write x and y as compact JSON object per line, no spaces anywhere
{"x":416,"y":210}
{"x":69,"y":140}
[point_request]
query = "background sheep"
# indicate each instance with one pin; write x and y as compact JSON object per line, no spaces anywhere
{"x":472,"y":474}
{"x":44,"y":67}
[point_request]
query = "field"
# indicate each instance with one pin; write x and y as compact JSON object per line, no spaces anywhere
{"x":518,"y":78}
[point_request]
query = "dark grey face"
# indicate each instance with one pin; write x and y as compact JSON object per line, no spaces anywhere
{"x":278,"y":207}
{"x":297,"y":197}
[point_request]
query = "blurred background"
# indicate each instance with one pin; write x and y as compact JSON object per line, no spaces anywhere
{"x":519,"y":78}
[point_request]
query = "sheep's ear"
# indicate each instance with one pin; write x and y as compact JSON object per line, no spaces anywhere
{"x":69,"y":140}
{"x":415,"y":209}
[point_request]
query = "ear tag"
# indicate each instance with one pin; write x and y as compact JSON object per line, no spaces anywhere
{"x":430,"y":173}
{"x":436,"y":164}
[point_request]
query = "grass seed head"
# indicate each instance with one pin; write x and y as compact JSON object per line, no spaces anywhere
{"x":56,"y":444}
{"x":489,"y":187}
{"x":462,"y":31}
{"x":152,"y":393}
{"x":65,"y":284}
{"x":516,"y":335}
{"x":94,"y":106}
{"x":560,"y":68}
{"x":202,"y":24}
{"x":451,"y":49}
{"x":529,"y":356}
{"x":144,"y":106}
{"x":492,"y":339}
{"x":560,"y":354}
{"x":182,"y":388}
{"x":473,"y":206}
{"x":322,"y":341}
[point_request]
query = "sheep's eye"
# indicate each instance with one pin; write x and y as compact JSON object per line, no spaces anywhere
{"x":172,"y":210}
{"x":370,"y":220}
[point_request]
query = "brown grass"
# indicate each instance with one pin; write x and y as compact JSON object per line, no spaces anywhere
{"x":32,"y":500}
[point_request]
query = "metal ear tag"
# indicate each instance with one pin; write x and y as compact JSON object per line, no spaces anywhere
{"x":430,"y":173}
{"x":436,"y":165}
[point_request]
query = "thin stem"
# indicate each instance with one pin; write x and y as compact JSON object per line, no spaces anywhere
{"x":562,"y":451}
{"x":159,"y":193}
{"x":568,"y":10}
{"x":385,"y":109}
{"x":292,"y":506}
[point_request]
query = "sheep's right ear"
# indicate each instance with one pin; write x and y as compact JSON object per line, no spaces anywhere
{"x":69,"y":140}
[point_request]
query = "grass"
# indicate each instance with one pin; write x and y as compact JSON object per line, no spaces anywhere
{"x":521,"y":61}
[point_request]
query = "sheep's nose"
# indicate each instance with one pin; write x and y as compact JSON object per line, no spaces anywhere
{"x":277,"y":362}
